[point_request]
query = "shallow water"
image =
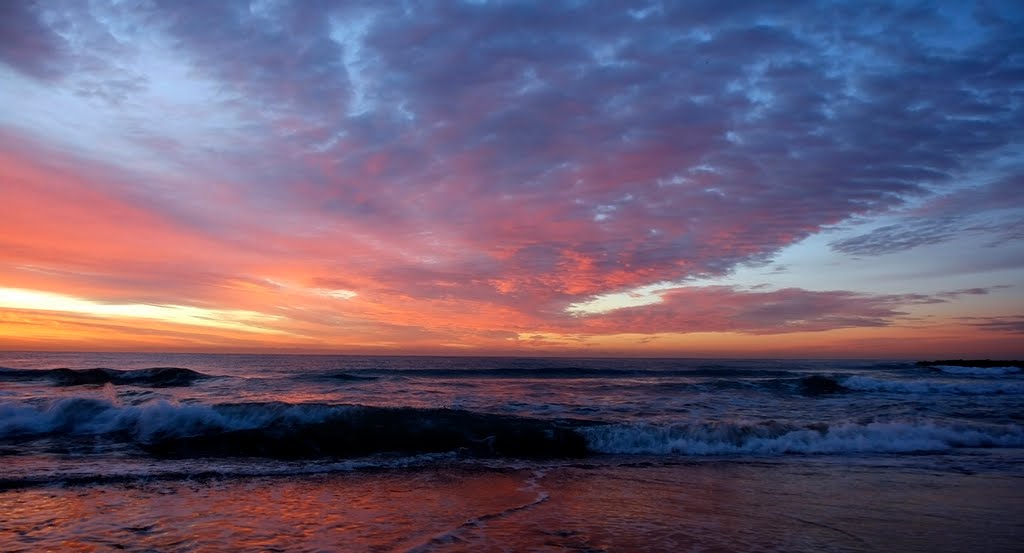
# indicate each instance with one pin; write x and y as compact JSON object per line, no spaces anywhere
{"x":297,"y":453}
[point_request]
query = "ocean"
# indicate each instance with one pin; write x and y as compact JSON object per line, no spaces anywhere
{"x":201,"y":452}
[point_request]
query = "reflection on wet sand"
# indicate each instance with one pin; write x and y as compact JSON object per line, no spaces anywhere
{"x":687,"y":507}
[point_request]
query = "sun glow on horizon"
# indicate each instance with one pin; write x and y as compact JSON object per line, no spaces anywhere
{"x":227,"y":319}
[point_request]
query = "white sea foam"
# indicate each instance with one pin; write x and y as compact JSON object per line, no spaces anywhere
{"x":775,"y":438}
{"x":91,"y":415}
{"x":872,"y":384}
{"x":977,"y":371}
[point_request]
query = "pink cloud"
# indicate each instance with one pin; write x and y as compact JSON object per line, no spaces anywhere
{"x":726,"y":309}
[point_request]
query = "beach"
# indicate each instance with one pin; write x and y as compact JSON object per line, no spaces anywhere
{"x":685,"y":455}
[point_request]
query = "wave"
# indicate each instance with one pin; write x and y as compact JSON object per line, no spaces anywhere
{"x":167,"y":430}
{"x":350,"y":377}
{"x":976,"y":371}
{"x":972,"y":363}
{"x":216,"y":469}
{"x":872,"y":384}
{"x":567,"y":372}
{"x":155,"y":377}
{"x":773,"y":438}
{"x":817,"y":384}
{"x":286,"y":431}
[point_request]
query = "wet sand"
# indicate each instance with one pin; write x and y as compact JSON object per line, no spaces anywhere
{"x":703,"y":506}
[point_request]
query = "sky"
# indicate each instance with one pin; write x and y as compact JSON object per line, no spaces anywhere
{"x":699,"y":179}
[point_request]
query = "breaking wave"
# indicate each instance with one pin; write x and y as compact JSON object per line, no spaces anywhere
{"x":872,"y":384}
{"x":282,"y":430}
{"x":773,"y":438}
{"x":276,"y":430}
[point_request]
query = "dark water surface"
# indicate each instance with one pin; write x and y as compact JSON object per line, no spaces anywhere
{"x":162,"y":452}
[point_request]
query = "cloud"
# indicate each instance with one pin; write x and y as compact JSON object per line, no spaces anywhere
{"x":979,"y":291}
{"x":719,"y":308}
{"x":1009,"y":324}
{"x":991,"y":210}
{"x":29,"y":45}
{"x":729,"y":309}
{"x":508,"y":159}
{"x":900,"y":237}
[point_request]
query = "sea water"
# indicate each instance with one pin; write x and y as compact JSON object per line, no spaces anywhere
{"x":191,"y":452}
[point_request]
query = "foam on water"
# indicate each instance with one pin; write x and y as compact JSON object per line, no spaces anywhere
{"x":977,"y":371}
{"x":97,"y":416}
{"x":775,"y":438}
{"x":322,"y":410}
{"x":873,"y":384}
{"x":283,"y":430}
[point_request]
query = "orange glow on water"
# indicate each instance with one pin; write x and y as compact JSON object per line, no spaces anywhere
{"x":714,"y":507}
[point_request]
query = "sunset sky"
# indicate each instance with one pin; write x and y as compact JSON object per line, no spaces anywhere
{"x":698,"y":178}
